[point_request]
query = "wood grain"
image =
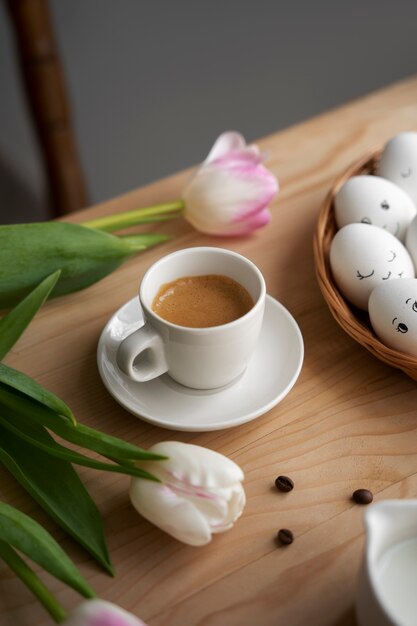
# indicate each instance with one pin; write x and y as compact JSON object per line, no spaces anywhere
{"x":349,"y":422}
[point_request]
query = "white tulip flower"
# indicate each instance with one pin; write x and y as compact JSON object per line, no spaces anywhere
{"x":200,"y":492}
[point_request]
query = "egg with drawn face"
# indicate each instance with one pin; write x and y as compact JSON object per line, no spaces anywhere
{"x":393,"y":314}
{"x":374,"y":200}
{"x":398,"y":162}
{"x":363,"y":256}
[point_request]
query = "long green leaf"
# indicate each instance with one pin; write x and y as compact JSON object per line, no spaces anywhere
{"x":103,"y":444}
{"x":25,"y":534}
{"x":56,"y":486}
{"x":15,"y":322}
{"x":84,"y":436}
{"x":29,"y":252}
{"x":33,"y":434}
{"x":20,"y":382}
{"x":32,"y":581}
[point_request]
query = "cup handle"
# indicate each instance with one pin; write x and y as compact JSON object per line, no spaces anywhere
{"x":141,"y":355}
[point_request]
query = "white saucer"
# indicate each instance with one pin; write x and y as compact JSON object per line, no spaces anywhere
{"x":270,"y":375}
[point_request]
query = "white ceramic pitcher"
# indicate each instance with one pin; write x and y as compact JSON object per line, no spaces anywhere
{"x":387,"y":590}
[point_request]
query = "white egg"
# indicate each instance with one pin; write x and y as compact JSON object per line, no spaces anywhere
{"x":363,"y":256}
{"x":398,"y":162}
{"x":393,"y":314}
{"x":374,"y":200}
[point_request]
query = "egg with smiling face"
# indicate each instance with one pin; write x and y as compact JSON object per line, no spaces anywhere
{"x":363,"y":256}
{"x":393,"y":314}
{"x":374,"y":200}
{"x":398,"y":162}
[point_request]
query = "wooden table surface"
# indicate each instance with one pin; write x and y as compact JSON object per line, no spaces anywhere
{"x":350,"y":421}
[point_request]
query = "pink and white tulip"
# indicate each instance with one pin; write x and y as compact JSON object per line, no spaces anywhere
{"x":230,"y":193}
{"x":200,"y":492}
{"x":101,"y":613}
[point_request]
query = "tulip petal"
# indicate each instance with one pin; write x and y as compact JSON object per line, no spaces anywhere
{"x":217,"y":197}
{"x":194,"y":465}
{"x":200,"y":492}
{"x":161,"y":506}
{"x":231,"y":186}
{"x":236,"y":500}
{"x":250,"y":155}
{"x":225,"y":143}
{"x":101,"y":613}
{"x":253,"y":222}
{"x":243,"y":227}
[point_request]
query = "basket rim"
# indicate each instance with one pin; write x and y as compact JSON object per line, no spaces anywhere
{"x":345,"y":314}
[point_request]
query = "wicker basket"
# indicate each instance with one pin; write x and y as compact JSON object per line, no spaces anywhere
{"x":354,"y":321}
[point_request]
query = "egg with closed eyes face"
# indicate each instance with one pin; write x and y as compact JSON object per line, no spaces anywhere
{"x":363,"y":256}
{"x":393,"y":314}
{"x":398,"y":162}
{"x":374,"y":200}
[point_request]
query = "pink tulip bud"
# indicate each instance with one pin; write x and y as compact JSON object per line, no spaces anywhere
{"x":230,"y":193}
{"x":100,"y":613}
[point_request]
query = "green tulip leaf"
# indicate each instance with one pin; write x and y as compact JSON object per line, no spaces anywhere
{"x":56,"y":486}
{"x":27,"y":536}
{"x":32,"y":582}
{"x":34,"y":434}
{"x":103,"y":444}
{"x":15,"y":322}
{"x":14,"y":379}
{"x":106,"y":445}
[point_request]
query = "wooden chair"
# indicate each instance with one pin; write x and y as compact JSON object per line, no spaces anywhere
{"x":44,"y":84}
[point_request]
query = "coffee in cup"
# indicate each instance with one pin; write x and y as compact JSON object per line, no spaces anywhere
{"x":202,"y":301}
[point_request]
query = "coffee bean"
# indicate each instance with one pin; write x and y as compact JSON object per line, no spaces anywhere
{"x":362,"y":496}
{"x":285,"y":536}
{"x":283,"y":483}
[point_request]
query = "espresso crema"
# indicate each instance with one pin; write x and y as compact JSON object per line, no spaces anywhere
{"x":202,"y":301}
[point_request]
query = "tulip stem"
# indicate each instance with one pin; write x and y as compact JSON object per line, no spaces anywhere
{"x":32,"y":581}
{"x":118,"y":221}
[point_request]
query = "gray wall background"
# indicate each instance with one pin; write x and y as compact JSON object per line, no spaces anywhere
{"x":153,"y":82}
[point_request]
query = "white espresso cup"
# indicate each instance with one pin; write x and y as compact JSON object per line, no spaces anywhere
{"x":201,"y":358}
